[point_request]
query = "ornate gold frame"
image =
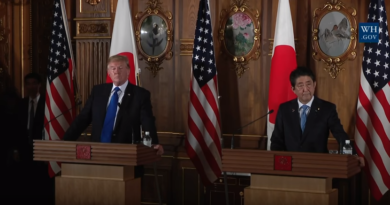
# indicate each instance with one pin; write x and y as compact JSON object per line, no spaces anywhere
{"x":93,"y":2}
{"x":241,"y":62}
{"x":154,"y":62}
{"x":334,"y":63}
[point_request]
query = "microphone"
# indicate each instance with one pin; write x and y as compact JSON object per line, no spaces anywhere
{"x":240,"y":128}
{"x":43,"y":130}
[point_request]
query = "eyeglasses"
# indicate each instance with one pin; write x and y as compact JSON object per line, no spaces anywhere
{"x":302,"y":86}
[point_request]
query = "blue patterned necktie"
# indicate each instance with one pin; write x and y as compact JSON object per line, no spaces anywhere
{"x":303,"y":117}
{"x":110,"y":117}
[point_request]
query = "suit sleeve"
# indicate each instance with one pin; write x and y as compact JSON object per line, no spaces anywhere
{"x":277,"y":138}
{"x":335,"y":126}
{"x":81,"y":122}
{"x":147,"y":118}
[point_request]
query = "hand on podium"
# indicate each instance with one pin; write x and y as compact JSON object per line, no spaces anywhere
{"x":159,"y":148}
{"x":361,"y":161}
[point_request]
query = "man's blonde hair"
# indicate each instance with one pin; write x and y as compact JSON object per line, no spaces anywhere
{"x":118,"y":58}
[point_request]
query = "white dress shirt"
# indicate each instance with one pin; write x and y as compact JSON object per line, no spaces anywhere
{"x":308,"y":104}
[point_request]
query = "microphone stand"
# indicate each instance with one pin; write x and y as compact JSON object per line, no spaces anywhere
{"x":232,"y":147}
{"x":43,"y":130}
{"x":240,"y":128}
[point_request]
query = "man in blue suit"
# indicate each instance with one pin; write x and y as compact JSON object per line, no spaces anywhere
{"x":303,"y":124}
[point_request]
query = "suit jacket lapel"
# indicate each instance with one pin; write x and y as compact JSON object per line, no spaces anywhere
{"x":311,"y":119}
{"x":126,"y":103}
{"x":295,"y":119}
{"x":103,"y":103}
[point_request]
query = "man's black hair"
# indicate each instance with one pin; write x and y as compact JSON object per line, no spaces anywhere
{"x":35,"y":76}
{"x":299,"y":72}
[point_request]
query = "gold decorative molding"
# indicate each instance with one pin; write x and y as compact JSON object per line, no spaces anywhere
{"x":330,"y":43}
{"x":98,"y":8}
{"x":186,"y":47}
{"x":154,"y":33}
{"x":92,"y":37}
{"x":153,"y":6}
{"x":93,"y":28}
{"x":91,"y":19}
{"x":93,"y":2}
{"x":239,"y":34}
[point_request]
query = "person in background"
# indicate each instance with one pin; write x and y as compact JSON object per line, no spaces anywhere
{"x":35,"y":182}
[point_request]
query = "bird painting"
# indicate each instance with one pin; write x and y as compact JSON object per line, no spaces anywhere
{"x":338,"y":32}
{"x":334,"y":42}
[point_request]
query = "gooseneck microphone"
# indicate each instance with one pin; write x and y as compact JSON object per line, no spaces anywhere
{"x":240,"y":128}
{"x":66,"y":111}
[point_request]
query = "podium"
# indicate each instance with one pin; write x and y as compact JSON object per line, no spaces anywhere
{"x":290,"y":177}
{"x":95,"y":173}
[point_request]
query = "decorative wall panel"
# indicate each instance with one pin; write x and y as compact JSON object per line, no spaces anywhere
{"x":91,"y":64}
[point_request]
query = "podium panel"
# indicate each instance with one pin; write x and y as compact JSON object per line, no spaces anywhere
{"x":268,"y":197}
{"x":288,"y":178}
{"x":84,"y":191}
{"x":96,"y":173}
{"x":290,"y":190}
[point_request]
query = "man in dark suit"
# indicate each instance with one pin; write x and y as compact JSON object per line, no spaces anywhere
{"x":31,"y":115}
{"x":131,"y":108}
{"x":303,"y":124}
{"x":35,"y":182}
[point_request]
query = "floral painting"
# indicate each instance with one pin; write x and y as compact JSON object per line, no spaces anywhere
{"x":239,"y":34}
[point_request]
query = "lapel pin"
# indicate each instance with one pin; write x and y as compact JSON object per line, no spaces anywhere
{"x":128,"y":94}
{"x":293,"y":110}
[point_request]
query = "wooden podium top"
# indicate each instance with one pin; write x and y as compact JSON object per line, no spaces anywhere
{"x":289,"y":163}
{"x":94,"y":153}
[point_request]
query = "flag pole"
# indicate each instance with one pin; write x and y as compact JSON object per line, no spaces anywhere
{"x":222,"y":141}
{"x":77,"y":97}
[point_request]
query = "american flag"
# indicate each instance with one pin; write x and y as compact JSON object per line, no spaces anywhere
{"x":59,"y":86}
{"x":203,"y":143}
{"x":372,"y":133}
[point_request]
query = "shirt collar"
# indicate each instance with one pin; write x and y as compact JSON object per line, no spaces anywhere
{"x":308,"y":104}
{"x":36,"y":99}
{"x":122,"y":87}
